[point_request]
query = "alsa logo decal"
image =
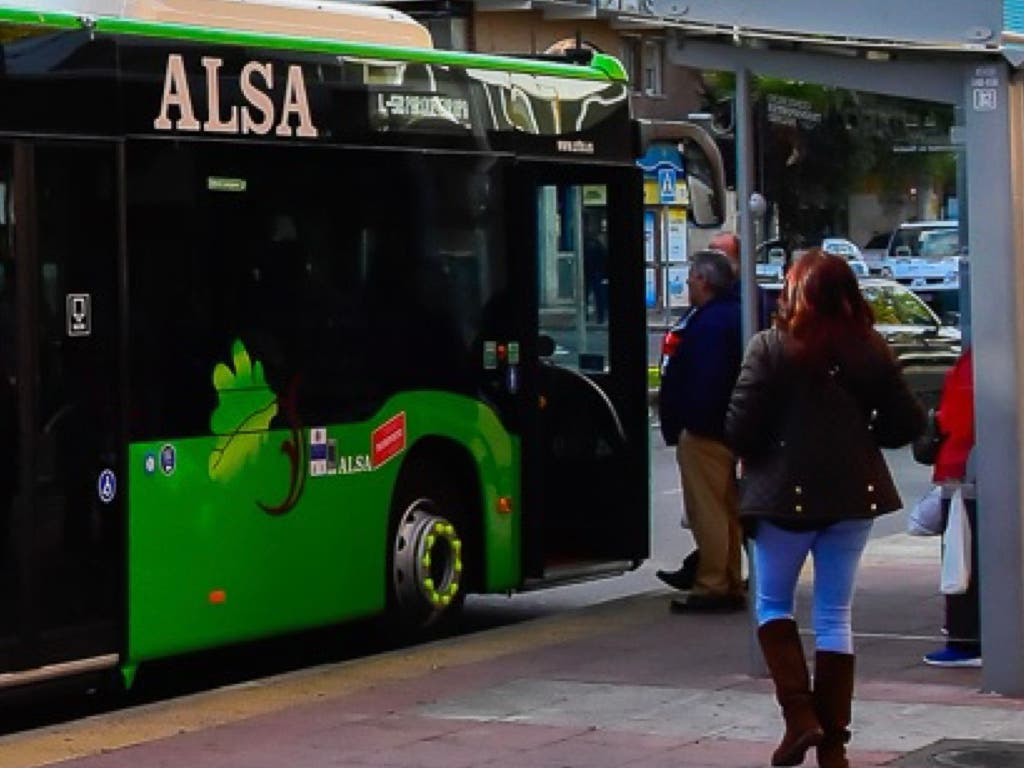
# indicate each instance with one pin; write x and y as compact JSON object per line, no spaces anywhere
{"x":324,"y":459}
{"x":258,"y":115}
{"x":388,"y":440}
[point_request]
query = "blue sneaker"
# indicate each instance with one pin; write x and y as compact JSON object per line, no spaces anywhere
{"x":952,"y":657}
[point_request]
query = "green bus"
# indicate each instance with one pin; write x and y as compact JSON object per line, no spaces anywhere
{"x":296,"y":329}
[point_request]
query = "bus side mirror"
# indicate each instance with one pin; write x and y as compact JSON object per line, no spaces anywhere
{"x":703,"y":164}
{"x":705,"y":209}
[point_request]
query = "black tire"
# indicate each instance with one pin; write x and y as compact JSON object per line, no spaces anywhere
{"x":426,"y":562}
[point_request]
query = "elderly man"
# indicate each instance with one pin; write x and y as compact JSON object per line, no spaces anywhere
{"x":697,"y":380}
{"x":683,"y":578}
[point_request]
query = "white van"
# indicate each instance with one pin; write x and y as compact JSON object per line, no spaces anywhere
{"x":924,"y":254}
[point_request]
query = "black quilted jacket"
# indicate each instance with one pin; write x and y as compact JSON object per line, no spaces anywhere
{"x":809,"y":439}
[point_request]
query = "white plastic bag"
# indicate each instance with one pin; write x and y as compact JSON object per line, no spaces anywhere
{"x":956,"y":548}
{"x":925,"y":518}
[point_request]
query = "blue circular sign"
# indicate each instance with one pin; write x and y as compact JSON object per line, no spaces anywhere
{"x":106,"y":486}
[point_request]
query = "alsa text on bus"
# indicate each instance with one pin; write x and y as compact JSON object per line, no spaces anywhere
{"x":257,"y":115}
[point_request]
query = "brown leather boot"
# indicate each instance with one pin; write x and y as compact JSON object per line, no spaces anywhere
{"x":784,"y":655}
{"x":833,"y":699}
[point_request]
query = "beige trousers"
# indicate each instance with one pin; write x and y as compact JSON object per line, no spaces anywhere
{"x":707,"y":470}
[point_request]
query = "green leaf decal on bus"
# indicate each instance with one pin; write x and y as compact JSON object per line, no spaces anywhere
{"x":245,"y":409}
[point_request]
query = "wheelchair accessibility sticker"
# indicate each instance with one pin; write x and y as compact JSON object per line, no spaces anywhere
{"x":106,"y":486}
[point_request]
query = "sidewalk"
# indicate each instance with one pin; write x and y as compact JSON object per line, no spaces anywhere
{"x":624,"y":683}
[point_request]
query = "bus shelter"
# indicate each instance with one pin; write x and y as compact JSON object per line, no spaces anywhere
{"x":666,"y":198}
{"x":962,"y":53}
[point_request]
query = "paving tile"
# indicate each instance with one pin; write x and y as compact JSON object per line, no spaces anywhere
{"x":510,"y":736}
{"x":659,"y":691}
{"x":581,"y":753}
{"x":431,"y":753}
{"x":716,"y":753}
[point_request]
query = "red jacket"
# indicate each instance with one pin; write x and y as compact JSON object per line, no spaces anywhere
{"x":956,"y":420}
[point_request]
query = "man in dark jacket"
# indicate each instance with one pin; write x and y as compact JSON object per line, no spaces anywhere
{"x":696,"y":383}
{"x":729,"y":244}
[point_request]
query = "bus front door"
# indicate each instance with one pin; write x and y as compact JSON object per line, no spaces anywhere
{"x":60,"y":473}
{"x":586,"y":458}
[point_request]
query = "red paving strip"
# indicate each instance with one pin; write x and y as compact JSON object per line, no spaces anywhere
{"x":383,"y":711}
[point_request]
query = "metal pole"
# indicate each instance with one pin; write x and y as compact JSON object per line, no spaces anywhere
{"x":994,"y":101}
{"x":748,"y":282}
{"x":580,"y":275}
{"x":744,"y":190}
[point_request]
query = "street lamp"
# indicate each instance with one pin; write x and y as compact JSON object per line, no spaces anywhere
{"x":758,"y":205}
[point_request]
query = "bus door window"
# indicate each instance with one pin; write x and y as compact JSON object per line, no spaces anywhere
{"x":580,"y":446}
{"x":8,"y":407}
{"x":77,"y":421}
{"x":573,"y":273}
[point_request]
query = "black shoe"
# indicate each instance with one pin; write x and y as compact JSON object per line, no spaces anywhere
{"x":677,"y":579}
{"x":699,"y":603}
{"x":683,"y":578}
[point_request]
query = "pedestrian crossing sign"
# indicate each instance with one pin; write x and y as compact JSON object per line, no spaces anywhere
{"x":667,"y":185}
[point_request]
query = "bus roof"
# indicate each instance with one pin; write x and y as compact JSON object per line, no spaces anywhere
{"x":299,"y":18}
{"x":301,"y":25}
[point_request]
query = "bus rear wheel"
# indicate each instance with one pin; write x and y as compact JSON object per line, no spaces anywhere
{"x":426,"y":565}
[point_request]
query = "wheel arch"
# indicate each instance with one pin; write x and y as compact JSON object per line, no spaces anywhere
{"x":436,"y":459}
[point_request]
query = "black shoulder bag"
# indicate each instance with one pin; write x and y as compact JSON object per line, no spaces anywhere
{"x":926,"y":447}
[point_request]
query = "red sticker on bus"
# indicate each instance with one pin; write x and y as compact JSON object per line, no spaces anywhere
{"x":388,"y":439}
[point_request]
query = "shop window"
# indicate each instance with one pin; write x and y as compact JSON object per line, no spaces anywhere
{"x":643,"y":59}
{"x":651,"y":67}
{"x":631,"y":61}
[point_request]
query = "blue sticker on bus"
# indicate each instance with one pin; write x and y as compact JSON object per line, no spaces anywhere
{"x":512,"y":379}
{"x":318,"y":452}
{"x":106,"y":486}
{"x":167,"y":459}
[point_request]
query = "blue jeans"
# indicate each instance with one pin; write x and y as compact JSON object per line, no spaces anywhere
{"x":780,"y":554}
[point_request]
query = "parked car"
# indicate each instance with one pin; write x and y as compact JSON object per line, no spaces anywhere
{"x":839,"y":246}
{"x":772,"y":259}
{"x":924,"y":254}
{"x":924,"y":346}
{"x":875,"y":250}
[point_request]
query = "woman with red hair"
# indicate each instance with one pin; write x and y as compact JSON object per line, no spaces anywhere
{"x":818,"y":395}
